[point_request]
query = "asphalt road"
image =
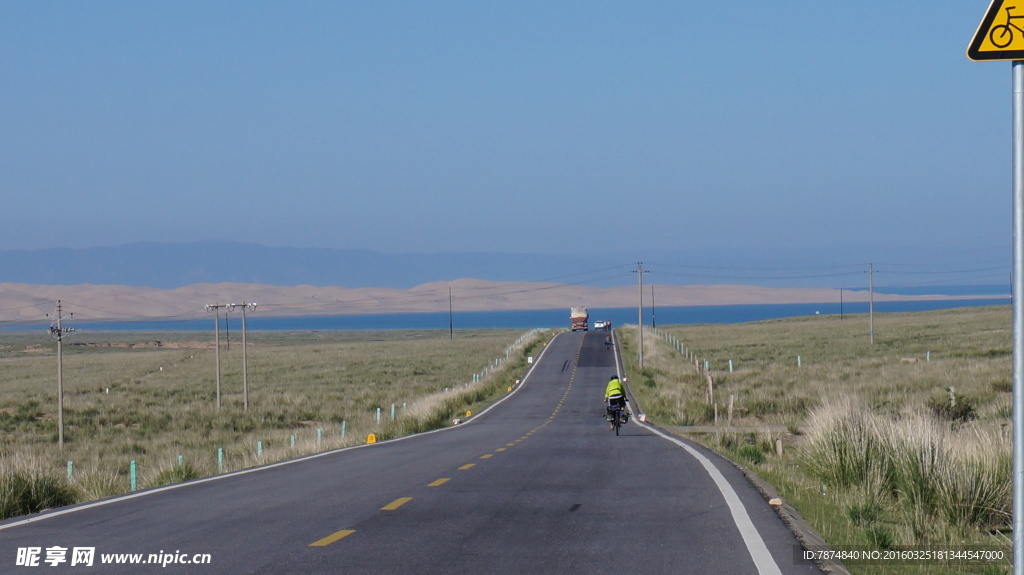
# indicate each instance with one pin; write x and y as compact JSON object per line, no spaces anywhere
{"x":537,"y":484}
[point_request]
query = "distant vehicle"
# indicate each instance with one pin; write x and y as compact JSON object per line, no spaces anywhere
{"x":600,"y":324}
{"x":578,"y":318}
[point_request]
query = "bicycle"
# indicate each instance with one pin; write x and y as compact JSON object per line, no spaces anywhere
{"x":617,"y":412}
{"x":1002,"y":35}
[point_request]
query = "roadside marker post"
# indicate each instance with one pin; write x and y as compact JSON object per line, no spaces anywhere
{"x":999,"y":37}
{"x":134,"y":477}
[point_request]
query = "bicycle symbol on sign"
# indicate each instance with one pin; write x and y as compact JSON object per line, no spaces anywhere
{"x":1002,"y":35}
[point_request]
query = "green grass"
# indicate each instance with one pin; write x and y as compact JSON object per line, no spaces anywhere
{"x":878,"y":450}
{"x":129,"y":398}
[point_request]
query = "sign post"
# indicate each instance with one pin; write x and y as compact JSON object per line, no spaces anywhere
{"x":1000,"y":36}
{"x":1018,"y":317}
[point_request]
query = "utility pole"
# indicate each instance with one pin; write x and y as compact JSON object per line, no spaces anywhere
{"x":216,"y":336}
{"x":639,"y":271}
{"x":654,"y":324}
{"x":871,"y":301}
{"x":245,"y":362}
{"x":58,"y":331}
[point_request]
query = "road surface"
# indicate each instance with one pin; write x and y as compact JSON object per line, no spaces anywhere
{"x":537,"y":484}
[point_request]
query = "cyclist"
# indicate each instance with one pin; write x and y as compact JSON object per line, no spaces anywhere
{"x":614,"y":395}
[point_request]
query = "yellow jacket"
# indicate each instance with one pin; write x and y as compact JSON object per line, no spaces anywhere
{"x":614,"y":388}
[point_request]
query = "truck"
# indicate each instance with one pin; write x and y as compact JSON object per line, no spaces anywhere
{"x":578,"y":316}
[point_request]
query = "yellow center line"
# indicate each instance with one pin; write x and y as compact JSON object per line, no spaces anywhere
{"x":437,"y":482}
{"x":488,"y":456}
{"x":467,"y":466}
{"x":396,"y":504}
{"x":510,"y":444}
{"x":332,"y":537}
{"x":501,"y":449}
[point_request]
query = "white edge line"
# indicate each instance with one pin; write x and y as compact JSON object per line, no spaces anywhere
{"x":756,"y":546}
{"x":119,"y":498}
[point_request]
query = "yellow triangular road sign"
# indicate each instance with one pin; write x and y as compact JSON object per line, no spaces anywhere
{"x":1001,"y":33}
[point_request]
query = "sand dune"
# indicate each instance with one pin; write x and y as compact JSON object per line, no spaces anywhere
{"x":28,"y":302}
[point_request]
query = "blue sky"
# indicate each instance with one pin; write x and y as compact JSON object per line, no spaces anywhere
{"x":532,"y":127}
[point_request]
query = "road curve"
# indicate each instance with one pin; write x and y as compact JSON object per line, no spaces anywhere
{"x":535,"y":485}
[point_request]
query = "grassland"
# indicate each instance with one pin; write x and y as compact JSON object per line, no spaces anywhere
{"x":150,"y":398}
{"x":905,"y":441}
